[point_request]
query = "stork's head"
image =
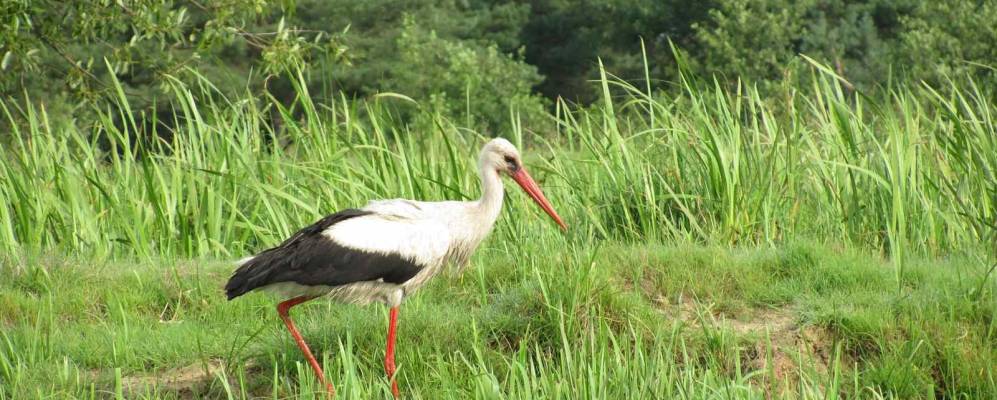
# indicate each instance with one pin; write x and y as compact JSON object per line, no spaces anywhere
{"x":501,"y":156}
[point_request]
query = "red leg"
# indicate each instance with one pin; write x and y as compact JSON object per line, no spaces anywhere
{"x":389,"y":356}
{"x":282,"y":309}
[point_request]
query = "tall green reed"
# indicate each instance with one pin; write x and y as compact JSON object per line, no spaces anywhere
{"x":908,"y":172}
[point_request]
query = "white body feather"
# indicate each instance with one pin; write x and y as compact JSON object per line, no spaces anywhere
{"x":431,"y":234}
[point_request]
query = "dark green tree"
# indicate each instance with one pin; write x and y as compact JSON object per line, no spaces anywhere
{"x":869,"y":42}
{"x":943,"y":39}
{"x":565,"y":39}
{"x":65,"y":54}
{"x":460,"y":57}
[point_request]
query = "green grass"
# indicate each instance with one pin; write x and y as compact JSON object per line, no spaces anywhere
{"x":618,"y":322}
{"x":913,"y":173}
{"x":819,"y":244}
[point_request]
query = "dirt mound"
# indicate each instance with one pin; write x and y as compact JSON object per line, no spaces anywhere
{"x":782,"y":348}
{"x":187,"y":382}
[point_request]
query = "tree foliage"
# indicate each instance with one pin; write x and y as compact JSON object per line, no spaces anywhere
{"x":948,"y":38}
{"x":71,"y":50}
{"x":867,"y":42}
{"x":474,"y":58}
{"x":464,"y":57}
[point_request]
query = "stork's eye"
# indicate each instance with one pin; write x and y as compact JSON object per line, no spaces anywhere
{"x":511,"y":163}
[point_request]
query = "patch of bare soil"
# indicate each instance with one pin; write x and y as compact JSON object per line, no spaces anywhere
{"x":187,"y":382}
{"x":782,"y":349}
{"x":191,"y":378}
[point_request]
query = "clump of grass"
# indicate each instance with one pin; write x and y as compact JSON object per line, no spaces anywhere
{"x":579,"y":329}
{"x":909,"y":173}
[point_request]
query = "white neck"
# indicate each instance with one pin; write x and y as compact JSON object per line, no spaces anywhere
{"x":492,"y":192}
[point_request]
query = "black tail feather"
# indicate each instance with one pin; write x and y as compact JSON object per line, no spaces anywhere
{"x":239,"y":284}
{"x":266,"y":268}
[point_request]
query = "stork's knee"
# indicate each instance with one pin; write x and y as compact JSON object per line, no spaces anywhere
{"x":393,"y":298}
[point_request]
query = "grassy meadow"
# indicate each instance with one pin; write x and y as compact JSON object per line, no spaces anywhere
{"x":722,"y":244}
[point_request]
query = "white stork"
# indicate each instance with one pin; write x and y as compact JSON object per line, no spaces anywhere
{"x":384,"y":251}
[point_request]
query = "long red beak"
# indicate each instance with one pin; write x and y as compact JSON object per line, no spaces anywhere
{"x":526,"y":181}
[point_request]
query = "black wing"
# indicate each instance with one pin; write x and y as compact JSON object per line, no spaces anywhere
{"x":310,"y":258}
